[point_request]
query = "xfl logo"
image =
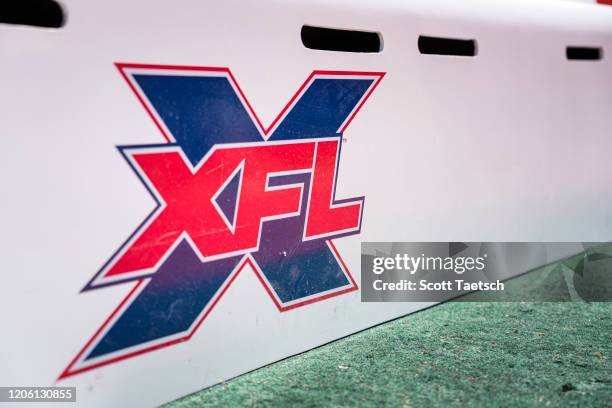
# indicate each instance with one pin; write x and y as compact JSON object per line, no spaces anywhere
{"x":229,"y":193}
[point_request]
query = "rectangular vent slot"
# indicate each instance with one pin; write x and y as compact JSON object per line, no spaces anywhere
{"x":331,"y":39}
{"x":37,"y":13}
{"x":447,"y":46}
{"x":583,"y":53}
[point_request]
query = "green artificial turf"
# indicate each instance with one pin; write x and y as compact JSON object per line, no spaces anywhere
{"x":488,"y":354}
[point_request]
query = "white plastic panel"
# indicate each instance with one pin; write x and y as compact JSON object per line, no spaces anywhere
{"x":512,"y":145}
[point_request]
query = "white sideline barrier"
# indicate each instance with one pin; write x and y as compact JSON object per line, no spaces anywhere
{"x":512,"y":145}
